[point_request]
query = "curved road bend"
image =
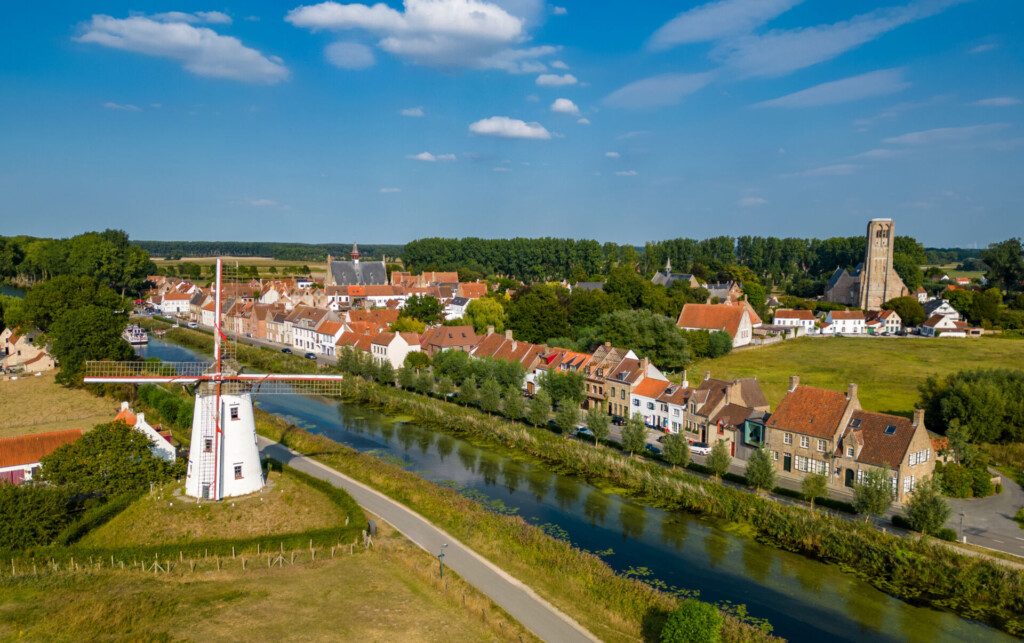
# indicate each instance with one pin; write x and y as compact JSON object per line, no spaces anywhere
{"x":536,"y":614}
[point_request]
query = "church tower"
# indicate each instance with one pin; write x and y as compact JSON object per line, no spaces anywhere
{"x":878,"y":279}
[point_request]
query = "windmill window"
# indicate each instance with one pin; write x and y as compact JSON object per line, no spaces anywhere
{"x":238,"y":472}
{"x":208,"y":445}
{"x":234,"y":412}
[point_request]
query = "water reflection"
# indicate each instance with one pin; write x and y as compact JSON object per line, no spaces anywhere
{"x":802,"y":598}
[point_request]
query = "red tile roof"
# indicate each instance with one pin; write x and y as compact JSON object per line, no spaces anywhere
{"x":472,"y":290}
{"x":809,"y":411}
{"x":650,"y":387}
{"x":725,"y":317}
{"x":880,"y":448}
{"x":30,"y":449}
{"x":784,"y":313}
{"x":847,"y":314}
{"x":449,"y":337}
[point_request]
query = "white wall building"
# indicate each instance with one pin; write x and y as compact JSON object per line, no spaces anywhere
{"x":846,"y":322}
{"x":174,"y":303}
{"x":394,"y":347}
{"x":797,"y":318}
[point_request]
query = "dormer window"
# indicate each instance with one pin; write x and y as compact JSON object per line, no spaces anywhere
{"x":849,"y":451}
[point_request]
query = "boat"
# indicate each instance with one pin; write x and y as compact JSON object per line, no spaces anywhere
{"x":135,"y":335}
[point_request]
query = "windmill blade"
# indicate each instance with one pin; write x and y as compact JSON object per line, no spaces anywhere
{"x":148,"y":371}
{"x":297,"y":387}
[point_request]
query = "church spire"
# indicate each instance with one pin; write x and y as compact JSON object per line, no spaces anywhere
{"x":355,"y":253}
{"x":668,"y":266}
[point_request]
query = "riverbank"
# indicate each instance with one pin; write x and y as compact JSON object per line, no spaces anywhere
{"x":916,"y":570}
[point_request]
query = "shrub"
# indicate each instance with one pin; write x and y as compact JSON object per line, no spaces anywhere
{"x":718,"y":460}
{"x":634,"y":434}
{"x":946,"y":534}
{"x":760,"y":472}
{"x":33,"y":515}
{"x":954,"y":479}
{"x":927,"y":510}
{"x":814,"y":486}
{"x":981,"y":482}
{"x":693,"y":622}
{"x":873,"y":496}
{"x":676,"y":450}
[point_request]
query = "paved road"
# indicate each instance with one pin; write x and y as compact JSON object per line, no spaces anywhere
{"x":535,"y":613}
{"x":989,"y":521}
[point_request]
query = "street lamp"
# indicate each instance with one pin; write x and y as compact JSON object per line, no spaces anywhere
{"x":961,"y":526}
{"x":440,"y":560}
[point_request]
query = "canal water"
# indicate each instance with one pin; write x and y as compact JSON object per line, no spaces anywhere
{"x":804,"y":600}
{"x":11,"y":291}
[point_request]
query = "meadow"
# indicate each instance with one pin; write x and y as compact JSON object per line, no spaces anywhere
{"x":263,"y":264}
{"x":37,"y":404}
{"x":887,"y":370}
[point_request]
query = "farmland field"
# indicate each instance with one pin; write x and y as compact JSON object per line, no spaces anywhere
{"x":263,"y":264}
{"x":886,"y":370}
{"x":37,"y":404}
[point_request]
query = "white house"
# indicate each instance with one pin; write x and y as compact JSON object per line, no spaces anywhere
{"x":738,"y":320}
{"x":20,"y":455}
{"x":394,"y":347}
{"x":326,"y":336}
{"x":944,"y":325}
{"x":162,"y":447}
{"x":303,"y":321}
{"x":845,"y":322}
{"x":799,"y":318}
{"x":456,"y":308}
{"x":941,"y":307}
{"x":174,"y":303}
{"x":19,"y":352}
{"x":889,"y":321}
{"x":644,"y":401}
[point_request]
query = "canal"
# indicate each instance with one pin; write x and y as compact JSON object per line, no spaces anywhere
{"x":11,"y":291}
{"x":803,"y":599}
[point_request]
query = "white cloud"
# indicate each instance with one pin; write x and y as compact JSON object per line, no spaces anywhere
{"x":122,"y":107}
{"x":431,"y":158}
{"x":211,"y":17}
{"x":480,"y":34}
{"x":390,"y":190}
{"x":998,"y":101}
{"x":878,"y":153}
{"x":263,"y":203}
{"x":413,"y":112}
{"x":657,"y":91}
{"x":779,"y":52}
{"x":751,"y":202}
{"x":565,"y":106}
{"x":555,"y":80}
{"x":980,"y":49}
{"x":839,"y":169}
{"x":200,"y":50}
{"x":943,"y":134}
{"x":583,"y":121}
{"x":716,"y":20}
{"x":505,"y":127}
{"x":612,"y":155}
{"x":349,"y":55}
{"x":559,"y":64}
{"x":845,"y":90}
{"x":626,"y":173}
{"x":864,"y":124}
{"x":559,"y":11}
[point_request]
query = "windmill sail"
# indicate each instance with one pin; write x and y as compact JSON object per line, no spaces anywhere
{"x":223,"y":455}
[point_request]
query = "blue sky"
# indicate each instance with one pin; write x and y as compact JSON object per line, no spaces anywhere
{"x":621,"y":121}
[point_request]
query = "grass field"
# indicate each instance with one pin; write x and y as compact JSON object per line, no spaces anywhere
{"x":262,"y":263}
{"x":285,"y":506}
{"x":37,"y":404}
{"x":379,"y":595}
{"x":950,"y":269}
{"x":886,"y":370}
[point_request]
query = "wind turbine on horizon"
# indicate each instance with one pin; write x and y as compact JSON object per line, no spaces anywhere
{"x":224,"y":459}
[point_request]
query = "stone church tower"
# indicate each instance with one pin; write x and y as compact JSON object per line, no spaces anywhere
{"x":878,"y":279}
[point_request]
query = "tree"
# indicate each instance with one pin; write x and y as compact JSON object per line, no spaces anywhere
{"x":719,"y":459}
{"x":962,"y":301}
{"x":406,"y":324}
{"x":539,"y":409}
{"x":47,"y":301}
{"x":599,"y":423}
{"x":909,"y":309}
{"x":111,"y":459}
{"x":757,"y":297}
{"x":693,"y":622}
{"x":927,"y":510}
{"x":814,"y":485}
{"x":986,"y":404}
{"x":513,"y":407}
{"x":536,"y":313}
{"x":634,"y":434}
{"x":1005,"y":261}
{"x":468,"y":392}
{"x":425,"y":308}
{"x":567,"y":417}
{"x":490,"y":395}
{"x":563,"y":387}
{"x":760,"y":472}
{"x":873,"y":495}
{"x":649,"y":334}
{"x":417,"y":359}
{"x":985,"y":306}
{"x":587,"y":306}
{"x":407,"y":378}
{"x":676,"y":450}
{"x":445,"y":387}
{"x":424,"y":382}
{"x":908,"y":269}
{"x":87,"y":333}
{"x":484,"y":312}
{"x":386,"y":373}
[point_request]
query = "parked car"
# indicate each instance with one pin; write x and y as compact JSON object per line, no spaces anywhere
{"x":286,"y":350}
{"x":583,"y":433}
{"x":310,"y":355}
{"x":193,"y":325}
{"x":700,"y":448}
{"x":651,"y":449}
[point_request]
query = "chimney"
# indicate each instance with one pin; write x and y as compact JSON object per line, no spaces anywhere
{"x":124,"y":406}
{"x":490,"y":329}
{"x":707,"y":375}
{"x":644,"y":364}
{"x":851,"y":391}
{"x":140,"y":419}
{"x":794,"y":381}
{"x":508,"y":333}
{"x":607,"y":344}
{"x":685,"y":383}
{"x":918,"y":417}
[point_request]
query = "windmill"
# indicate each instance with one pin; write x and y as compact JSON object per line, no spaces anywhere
{"x":224,"y":459}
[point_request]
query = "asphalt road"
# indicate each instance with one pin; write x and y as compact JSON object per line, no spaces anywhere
{"x":989,"y":521}
{"x":536,"y":614}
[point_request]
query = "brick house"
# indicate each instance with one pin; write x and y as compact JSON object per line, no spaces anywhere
{"x":817,"y":430}
{"x":714,"y":408}
{"x":445,"y":338}
{"x":621,"y":380}
{"x":604,"y":359}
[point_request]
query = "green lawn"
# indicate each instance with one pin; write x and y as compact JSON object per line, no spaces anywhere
{"x":886,"y":370}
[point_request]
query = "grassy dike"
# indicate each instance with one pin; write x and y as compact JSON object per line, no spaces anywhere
{"x":915,"y":569}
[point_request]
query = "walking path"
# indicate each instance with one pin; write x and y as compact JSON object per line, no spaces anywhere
{"x":536,"y":614}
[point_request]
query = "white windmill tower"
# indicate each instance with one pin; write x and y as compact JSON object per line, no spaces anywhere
{"x":223,"y":457}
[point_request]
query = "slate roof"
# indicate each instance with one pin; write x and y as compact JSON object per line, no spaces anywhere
{"x":30,"y":449}
{"x":809,"y":411}
{"x":358,"y":273}
{"x":589,"y":285}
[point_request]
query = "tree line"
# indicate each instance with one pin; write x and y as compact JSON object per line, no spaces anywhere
{"x":274,"y":250}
